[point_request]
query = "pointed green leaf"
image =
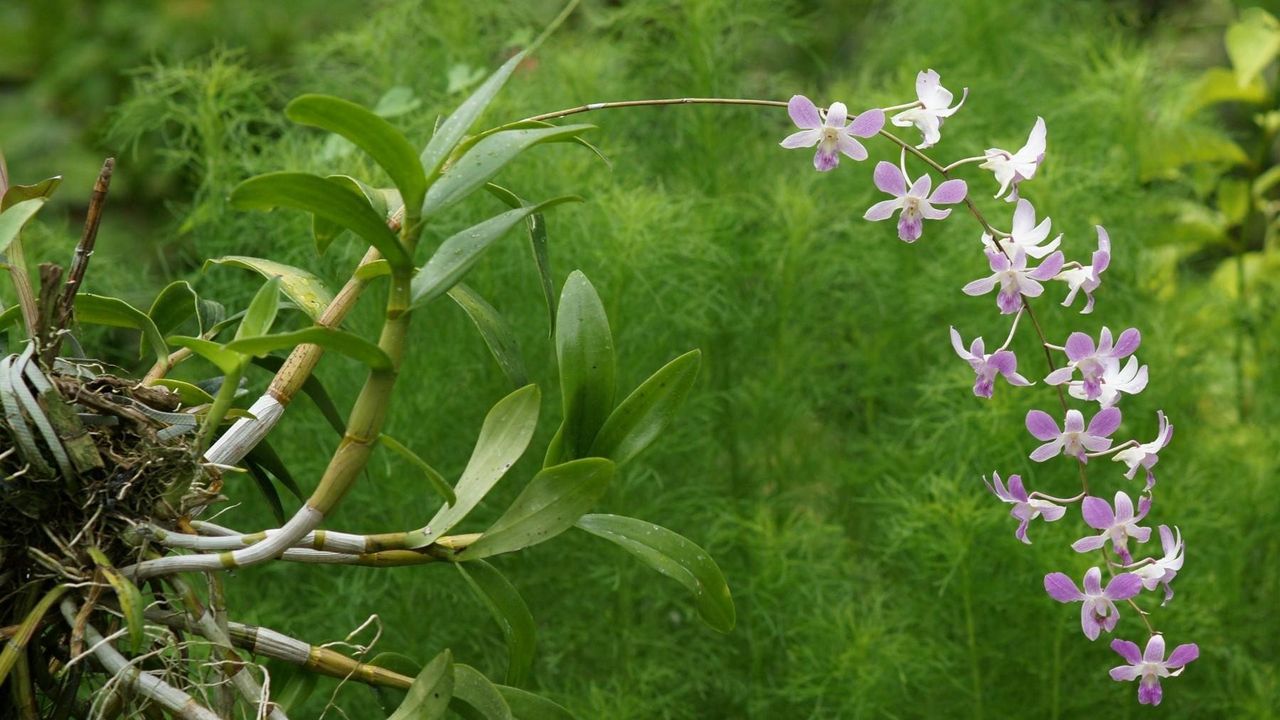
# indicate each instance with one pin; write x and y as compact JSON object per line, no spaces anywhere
{"x":539,"y":245}
{"x":325,"y":198}
{"x":511,"y":613}
{"x":13,"y":220}
{"x":434,"y":478}
{"x":306,"y":290}
{"x":114,"y":312}
{"x":549,"y":505}
{"x":371,"y":270}
{"x":584,"y":349}
{"x":454,"y":127}
{"x":377,"y":137}
{"x":428,"y":697}
{"x":479,"y":698}
{"x":639,"y":419}
{"x":460,"y":252}
{"x":479,"y":164}
{"x":261,"y":313}
{"x":527,"y":706}
{"x":325,"y":232}
{"x":21,"y":193}
{"x":175,"y":304}
{"x":506,"y":433}
{"x":266,"y":457}
{"x":389,"y":698}
{"x":188,"y":393}
{"x":674,"y":556}
{"x":265,"y":487}
{"x":349,"y":344}
{"x":292,"y":685}
{"x":497,"y":335}
{"x":130,"y":598}
{"x":17,"y":643}
{"x":1252,"y":43}
{"x":225,"y":360}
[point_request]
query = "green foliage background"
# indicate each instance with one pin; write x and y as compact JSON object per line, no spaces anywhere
{"x":831,"y":453}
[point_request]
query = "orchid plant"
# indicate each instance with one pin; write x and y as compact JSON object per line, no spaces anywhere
{"x":597,"y":433}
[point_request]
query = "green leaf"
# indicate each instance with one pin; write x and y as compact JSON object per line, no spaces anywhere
{"x":1233,"y":199}
{"x":434,"y":478}
{"x":324,"y":231}
{"x":292,"y":685}
{"x":459,"y":253}
{"x":261,"y":313}
{"x":265,"y":486}
{"x":429,"y":696}
{"x":1252,"y":43}
{"x":454,"y":127}
{"x":527,"y":706}
{"x":377,"y":137}
{"x":306,"y":290}
{"x":131,"y":604}
{"x":349,"y":344}
{"x":478,"y":695}
{"x":511,"y":613}
{"x":552,"y":501}
{"x":479,"y":164}
{"x":225,"y":360}
{"x":497,"y":335}
{"x":506,"y":433}
{"x":265,"y":457}
{"x":584,"y":349}
{"x":673,"y":556}
{"x":389,"y":698}
{"x":114,"y":312}
{"x":539,"y":245}
{"x":21,"y":193}
{"x":1267,"y":180}
{"x":189,"y":394}
{"x":175,"y":304}
{"x":639,"y":419}
{"x":13,"y":220}
{"x":325,"y":198}
{"x":371,"y":270}
{"x":314,"y":389}
{"x":17,"y":643}
{"x":1219,"y":85}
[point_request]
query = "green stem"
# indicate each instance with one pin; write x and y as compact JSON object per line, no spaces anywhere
{"x":218,"y":410}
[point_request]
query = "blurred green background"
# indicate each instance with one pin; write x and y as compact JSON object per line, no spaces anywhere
{"x":830,"y":456}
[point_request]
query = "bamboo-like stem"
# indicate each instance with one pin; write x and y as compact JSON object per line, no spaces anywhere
{"x":363,"y":427}
{"x":177,"y":702}
{"x":278,"y":646}
{"x":212,"y":624}
{"x":246,"y":433}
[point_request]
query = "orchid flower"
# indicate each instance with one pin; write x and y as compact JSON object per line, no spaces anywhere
{"x":1025,"y":509}
{"x":1074,"y":439}
{"x":1014,"y":278}
{"x":1092,"y":361}
{"x":1099,"y":610}
{"x":1117,"y":527}
{"x":1151,"y":665}
{"x":915,"y":202}
{"x":832,"y":135}
{"x":1163,"y":571}
{"x":1087,"y":277}
{"x":1001,"y":362}
{"x":933,"y":100}
{"x":1130,"y":379}
{"x":1147,"y":454}
{"x":1012,"y":168}
{"x":1025,"y":235}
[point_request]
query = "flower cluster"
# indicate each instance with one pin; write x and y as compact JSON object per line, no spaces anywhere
{"x":1022,"y":261}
